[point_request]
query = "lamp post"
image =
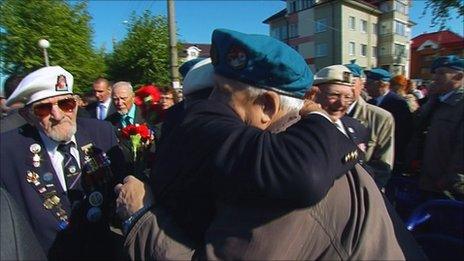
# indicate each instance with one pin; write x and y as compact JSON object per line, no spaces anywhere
{"x":44,"y":44}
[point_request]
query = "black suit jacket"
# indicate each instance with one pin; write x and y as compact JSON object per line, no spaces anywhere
{"x":92,"y":109}
{"x":355,"y":130}
{"x":212,"y":155}
{"x":115,"y":118}
{"x":16,"y":161}
{"x":404,"y":127}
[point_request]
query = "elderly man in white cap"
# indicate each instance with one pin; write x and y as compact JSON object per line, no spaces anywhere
{"x":59,"y":168}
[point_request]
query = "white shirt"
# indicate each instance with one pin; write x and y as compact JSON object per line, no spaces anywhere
{"x":105,"y":104}
{"x":57,"y":158}
{"x":340,"y":127}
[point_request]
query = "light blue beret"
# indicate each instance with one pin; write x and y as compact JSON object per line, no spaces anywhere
{"x":260,"y":61}
{"x":378,"y":74}
{"x":450,"y":61}
{"x":355,"y":69}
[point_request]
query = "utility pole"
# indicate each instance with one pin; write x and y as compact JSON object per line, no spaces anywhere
{"x":173,"y":44}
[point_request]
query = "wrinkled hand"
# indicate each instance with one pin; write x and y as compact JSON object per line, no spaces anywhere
{"x":133,"y":195}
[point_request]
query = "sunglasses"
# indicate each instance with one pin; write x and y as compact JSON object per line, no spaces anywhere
{"x":44,"y":109}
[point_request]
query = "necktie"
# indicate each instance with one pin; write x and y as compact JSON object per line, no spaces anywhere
{"x":102,"y":111}
{"x":71,"y":169}
{"x":126,"y":120}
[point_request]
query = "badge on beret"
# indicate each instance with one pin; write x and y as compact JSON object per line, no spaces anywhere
{"x":214,"y":55}
{"x":96,"y":199}
{"x":237,"y":58}
{"x":61,"y":84}
{"x":347,"y":77}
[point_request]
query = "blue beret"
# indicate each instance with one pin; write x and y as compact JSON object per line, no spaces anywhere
{"x":185,"y":67}
{"x":450,"y":61}
{"x":260,"y":61}
{"x":355,"y":69}
{"x":378,"y":74}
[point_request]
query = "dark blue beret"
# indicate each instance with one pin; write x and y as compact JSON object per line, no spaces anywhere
{"x":378,"y":74}
{"x":450,"y":61}
{"x":355,"y":69}
{"x":185,"y":67}
{"x":260,"y":61}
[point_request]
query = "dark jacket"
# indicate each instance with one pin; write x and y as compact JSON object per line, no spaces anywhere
{"x":212,"y":155}
{"x":16,"y":160}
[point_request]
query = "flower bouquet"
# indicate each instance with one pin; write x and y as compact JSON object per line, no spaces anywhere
{"x":147,"y":99}
{"x":140,"y":138}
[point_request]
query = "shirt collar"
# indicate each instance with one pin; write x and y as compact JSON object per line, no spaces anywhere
{"x":52,"y":145}
{"x":106,"y":103}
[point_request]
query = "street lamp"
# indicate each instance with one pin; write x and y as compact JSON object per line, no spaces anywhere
{"x":44,"y":44}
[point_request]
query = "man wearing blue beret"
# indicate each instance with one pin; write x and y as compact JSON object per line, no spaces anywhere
{"x":245,"y":178}
{"x":378,"y":87}
{"x":381,"y":126}
{"x":440,"y":131}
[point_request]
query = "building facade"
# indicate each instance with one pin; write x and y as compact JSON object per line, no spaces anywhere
{"x":426,"y":47}
{"x":375,"y":33}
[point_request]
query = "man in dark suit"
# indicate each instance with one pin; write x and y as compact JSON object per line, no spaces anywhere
{"x":60,"y":169}
{"x":104,"y":105}
{"x":238,"y":173}
{"x":378,"y":87}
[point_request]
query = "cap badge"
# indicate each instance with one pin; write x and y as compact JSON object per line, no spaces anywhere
{"x":237,"y":57}
{"x":347,"y":77}
{"x":61,"y":83}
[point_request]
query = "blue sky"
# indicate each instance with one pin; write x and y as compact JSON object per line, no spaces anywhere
{"x":197,"y":19}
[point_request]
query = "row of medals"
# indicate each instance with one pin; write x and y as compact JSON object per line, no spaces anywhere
{"x":47,"y":190}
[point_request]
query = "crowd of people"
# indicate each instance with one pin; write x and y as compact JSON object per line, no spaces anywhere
{"x":260,"y":160}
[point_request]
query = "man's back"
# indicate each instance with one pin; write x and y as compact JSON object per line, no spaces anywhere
{"x":351,"y":222}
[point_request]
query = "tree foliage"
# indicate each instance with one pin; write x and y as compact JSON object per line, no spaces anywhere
{"x":143,"y":55}
{"x":67,"y":28}
{"x":441,"y":9}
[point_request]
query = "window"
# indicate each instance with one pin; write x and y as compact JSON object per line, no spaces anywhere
{"x":364,"y":26}
{"x":400,"y":28}
{"x":321,"y":50}
{"x":352,"y":23}
{"x":292,"y":6}
{"x":400,"y":50}
{"x":352,"y":48}
{"x":279,"y":32}
{"x":374,"y":51}
{"x":374,"y":29}
{"x":400,"y":7}
{"x":383,"y":51}
{"x":363,"y":50}
{"x":321,"y":25}
{"x":385,"y":28}
{"x":293,"y":30}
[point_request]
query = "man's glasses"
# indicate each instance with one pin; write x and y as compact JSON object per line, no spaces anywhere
{"x":338,"y":96}
{"x":44,"y":109}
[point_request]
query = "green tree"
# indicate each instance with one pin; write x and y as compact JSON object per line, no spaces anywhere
{"x":143,"y":55}
{"x":67,"y":28}
{"x":441,"y":9}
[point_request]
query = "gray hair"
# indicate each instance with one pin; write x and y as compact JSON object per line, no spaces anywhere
{"x":122,"y":84}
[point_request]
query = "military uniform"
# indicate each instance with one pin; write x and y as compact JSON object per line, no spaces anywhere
{"x":71,"y":221}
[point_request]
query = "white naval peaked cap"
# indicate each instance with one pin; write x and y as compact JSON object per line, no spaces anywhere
{"x":199,"y":77}
{"x":43,"y":83}
{"x":338,"y":74}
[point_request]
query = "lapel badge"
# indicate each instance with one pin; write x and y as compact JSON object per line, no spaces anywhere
{"x":35,"y":148}
{"x":72,"y":169}
{"x":350,"y":130}
{"x":94,"y":214}
{"x":36,"y":160}
{"x":96,"y":199}
{"x":47,"y":177}
{"x":33,"y":177}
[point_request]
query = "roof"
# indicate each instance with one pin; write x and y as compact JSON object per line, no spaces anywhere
{"x":280,"y":14}
{"x":442,"y":37}
{"x":205,"y":48}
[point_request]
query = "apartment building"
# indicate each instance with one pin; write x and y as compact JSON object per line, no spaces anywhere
{"x":374,"y":32}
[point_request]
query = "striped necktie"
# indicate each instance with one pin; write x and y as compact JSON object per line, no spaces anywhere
{"x":71,"y":169}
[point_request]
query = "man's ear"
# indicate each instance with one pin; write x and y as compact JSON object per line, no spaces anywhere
{"x":270,"y":103}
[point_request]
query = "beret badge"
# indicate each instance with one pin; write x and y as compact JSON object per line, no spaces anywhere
{"x":237,"y":58}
